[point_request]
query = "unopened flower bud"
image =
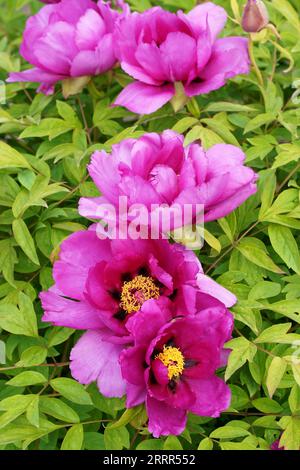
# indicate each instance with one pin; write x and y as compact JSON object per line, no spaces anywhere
{"x":255,"y":16}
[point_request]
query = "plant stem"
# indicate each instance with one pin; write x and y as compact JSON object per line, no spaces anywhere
{"x":253,"y":61}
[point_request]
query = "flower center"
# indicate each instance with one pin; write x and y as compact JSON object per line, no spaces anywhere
{"x":173,"y":359}
{"x":136,"y":292}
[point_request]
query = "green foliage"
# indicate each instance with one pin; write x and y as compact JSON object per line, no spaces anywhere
{"x":46,"y":143}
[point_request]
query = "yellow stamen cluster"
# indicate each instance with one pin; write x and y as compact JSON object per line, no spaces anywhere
{"x":136,"y":292}
{"x":173,"y":359}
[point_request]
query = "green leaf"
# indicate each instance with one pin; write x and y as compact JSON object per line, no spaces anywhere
{"x":287,"y":153}
{"x":255,"y":251}
{"x":32,"y":412}
{"x":259,"y":121}
{"x":15,"y":321}
{"x":275,"y":373}
{"x":94,"y":441}
{"x":11,"y":158}
{"x":27,"y":378}
{"x":267,"y":195}
{"x":68,"y":114}
{"x":32,"y":356}
{"x":224,"y":106}
{"x":116,"y":439}
{"x":285,"y":245}
{"x":8,"y":259}
{"x":294,"y":399}
{"x":172,"y":443}
{"x":229,"y":432}
{"x":206,"y":444}
{"x":150,"y":444}
{"x":126,"y":417}
{"x":21,"y":432}
{"x":264,"y":290}
{"x":285,"y":8}
{"x":266,"y":405}
{"x":58,"y":409}
{"x":242,"y":351}
{"x":184,"y":124}
{"x":71,"y":390}
{"x":51,"y":127}
{"x":290,"y":438}
{"x":296,"y":371}
{"x":58,"y":335}
{"x":274,"y":333}
{"x":25,"y":240}
{"x":73,"y":440}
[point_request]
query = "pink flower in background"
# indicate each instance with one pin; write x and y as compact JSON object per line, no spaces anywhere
{"x":73,"y":38}
{"x":158,"y":169}
{"x":100,"y":285}
{"x":172,"y":365}
{"x":160,"y":49}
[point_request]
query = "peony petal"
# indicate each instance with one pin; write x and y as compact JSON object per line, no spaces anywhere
{"x":94,"y":359}
{"x":78,"y":253}
{"x":177,"y":65}
{"x":89,"y":29}
{"x":231,"y":203}
{"x":211,"y":287}
{"x":209,"y":15}
{"x":56,"y":48}
{"x":145,"y":324}
{"x":164,"y":419}
{"x":144,"y":99}
{"x":96,"y":61}
{"x":135,"y":395}
{"x":132,"y":365}
{"x":35,"y":75}
{"x":212,"y":396}
{"x":65,"y":312}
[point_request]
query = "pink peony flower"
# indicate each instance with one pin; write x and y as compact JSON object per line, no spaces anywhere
{"x":172,"y":364}
{"x":158,"y":169}
{"x":168,"y":54}
{"x":101,"y":284}
{"x":71,"y":39}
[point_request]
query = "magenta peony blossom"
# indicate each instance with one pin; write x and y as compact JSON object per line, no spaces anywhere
{"x":168,"y":54}
{"x":172,"y":364}
{"x":67,"y":40}
{"x":100,"y":285}
{"x":157,"y":169}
